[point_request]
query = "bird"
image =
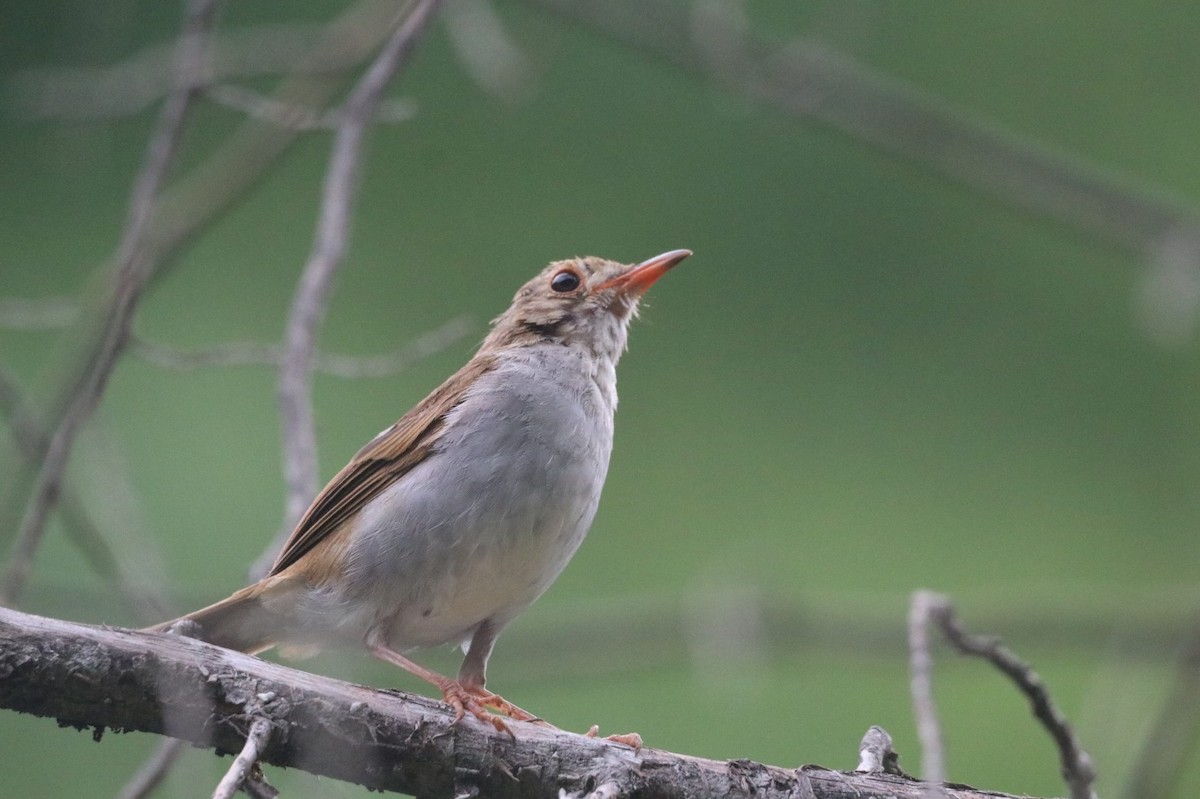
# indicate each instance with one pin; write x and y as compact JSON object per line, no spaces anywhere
{"x":450,"y":523}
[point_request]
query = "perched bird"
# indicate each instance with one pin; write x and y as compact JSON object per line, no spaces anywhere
{"x":451,"y":522}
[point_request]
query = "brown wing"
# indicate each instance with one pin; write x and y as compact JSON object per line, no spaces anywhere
{"x":380,"y":463}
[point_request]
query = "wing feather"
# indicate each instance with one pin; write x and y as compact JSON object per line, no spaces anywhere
{"x":385,"y":459}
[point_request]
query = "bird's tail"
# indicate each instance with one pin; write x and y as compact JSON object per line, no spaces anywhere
{"x":240,"y":622}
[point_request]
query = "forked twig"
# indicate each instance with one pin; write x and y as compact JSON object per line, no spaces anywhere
{"x":241,"y":771}
{"x":1077,"y":768}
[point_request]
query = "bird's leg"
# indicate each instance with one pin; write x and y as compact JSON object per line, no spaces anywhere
{"x":454,"y":692}
{"x":472,"y":674}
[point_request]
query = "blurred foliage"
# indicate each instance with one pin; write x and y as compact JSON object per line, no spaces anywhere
{"x":868,"y":379}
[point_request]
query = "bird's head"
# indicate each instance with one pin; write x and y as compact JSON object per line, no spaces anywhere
{"x":583,"y":302}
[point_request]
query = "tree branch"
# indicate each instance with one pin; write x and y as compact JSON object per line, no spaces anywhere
{"x":316,"y":281}
{"x":153,"y":771}
{"x":812,"y":81}
{"x":241,"y":770}
{"x":1077,"y":769}
{"x":99,"y":677}
{"x":129,"y":279}
{"x":920,"y":664}
{"x":81,"y":529}
{"x":1167,"y":748}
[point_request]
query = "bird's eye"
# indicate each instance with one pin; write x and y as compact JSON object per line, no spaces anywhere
{"x":565,"y":281}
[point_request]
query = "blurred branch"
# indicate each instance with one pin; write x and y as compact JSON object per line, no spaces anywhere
{"x":152,"y":772}
{"x":297,"y":117}
{"x":1077,"y":768}
{"x":249,"y":353}
{"x":360,"y":366}
{"x":486,"y":50}
{"x":32,"y":442}
{"x":1166,"y":747}
{"x":128,"y":87}
{"x":98,"y":677}
{"x":194,"y":202}
{"x":129,"y":279}
{"x":929,"y":730}
{"x":814,"y":82}
{"x":329,"y":247}
{"x":46,"y":313}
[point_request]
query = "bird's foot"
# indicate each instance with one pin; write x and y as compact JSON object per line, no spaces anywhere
{"x":497,"y":702}
{"x":463,"y":701}
{"x":481,"y":703}
{"x":630,"y":739}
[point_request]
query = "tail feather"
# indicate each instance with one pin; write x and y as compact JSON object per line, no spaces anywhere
{"x":239,"y":622}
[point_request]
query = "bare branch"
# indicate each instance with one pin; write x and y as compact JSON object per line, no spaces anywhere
{"x":192,"y":203}
{"x":929,"y":731}
{"x":487,"y":51}
{"x":98,"y":677}
{"x":296,"y":117}
{"x":241,"y":769}
{"x":128,"y":87}
{"x":249,"y":353}
{"x":390,"y":363}
{"x":152,"y":772}
{"x":1170,"y":743}
{"x":811,"y":81}
{"x":32,"y":442}
{"x":46,"y":313}
{"x":233,"y":353}
{"x":1077,"y":768}
{"x":329,"y":246}
{"x":129,"y":279}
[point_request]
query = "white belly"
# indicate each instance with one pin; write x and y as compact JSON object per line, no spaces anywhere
{"x":483,"y":526}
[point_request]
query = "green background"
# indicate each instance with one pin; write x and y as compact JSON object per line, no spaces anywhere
{"x":869,"y":379}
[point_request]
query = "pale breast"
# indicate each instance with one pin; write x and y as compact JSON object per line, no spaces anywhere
{"x":483,"y":526}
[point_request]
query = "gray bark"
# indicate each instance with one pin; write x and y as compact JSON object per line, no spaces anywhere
{"x":125,"y":680}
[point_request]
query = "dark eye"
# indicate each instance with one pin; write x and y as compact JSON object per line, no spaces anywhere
{"x":565,"y":280}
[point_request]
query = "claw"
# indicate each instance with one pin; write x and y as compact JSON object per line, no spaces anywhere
{"x":496,"y":702}
{"x":630,"y":739}
{"x":464,"y":701}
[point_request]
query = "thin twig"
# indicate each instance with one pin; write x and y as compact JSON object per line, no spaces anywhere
{"x":390,"y":363}
{"x":815,"y":82}
{"x":45,"y":313}
{"x":243,"y":765}
{"x":129,"y":280}
{"x":487,"y":52}
{"x":195,"y":199}
{"x":233,"y":353}
{"x":1077,"y":769}
{"x":329,"y":246}
{"x":153,"y":770}
{"x":929,"y":731}
{"x":80,"y":527}
{"x":250,"y":353}
{"x":1169,"y":745}
{"x":299,"y":117}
